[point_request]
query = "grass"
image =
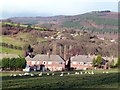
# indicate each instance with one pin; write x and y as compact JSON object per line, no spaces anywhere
{"x":27,"y":37}
{"x":11,"y":40}
{"x":98,"y":80}
{"x":23,"y":35}
{"x":11,"y":51}
{"x":25,"y":26}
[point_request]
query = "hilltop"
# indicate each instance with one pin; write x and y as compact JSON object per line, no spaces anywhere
{"x":96,"y":21}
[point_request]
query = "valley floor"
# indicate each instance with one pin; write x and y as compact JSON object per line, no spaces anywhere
{"x":73,"y":81}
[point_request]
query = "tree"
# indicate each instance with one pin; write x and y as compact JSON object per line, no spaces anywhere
{"x":18,"y":63}
{"x":29,"y":27}
{"x":30,"y":49}
{"x":99,"y":60}
{"x":23,"y":63}
{"x":118,"y":62}
{"x":112,"y":64}
{"x":5,"y":63}
{"x":94,"y":62}
{"x":13,"y":63}
{"x":18,"y":25}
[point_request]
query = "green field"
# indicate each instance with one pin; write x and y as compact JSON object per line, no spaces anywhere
{"x":24,"y":26}
{"x":11,"y":51}
{"x":11,"y":40}
{"x":98,"y":80}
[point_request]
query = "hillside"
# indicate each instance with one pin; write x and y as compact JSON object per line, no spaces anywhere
{"x":64,"y":43}
{"x":15,"y":37}
{"x":98,"y":21}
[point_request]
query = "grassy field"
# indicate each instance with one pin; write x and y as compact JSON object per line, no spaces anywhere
{"x":11,"y":40}
{"x":11,"y":51}
{"x":24,"y":26}
{"x":98,"y":80}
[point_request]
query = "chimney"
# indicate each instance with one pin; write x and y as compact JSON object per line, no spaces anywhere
{"x":48,"y":54}
{"x":65,"y":52}
{"x":54,"y":48}
{"x":60,"y":47}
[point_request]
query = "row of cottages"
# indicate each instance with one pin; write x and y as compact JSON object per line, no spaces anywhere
{"x":84,"y":62}
{"x":81,"y":62}
{"x":45,"y":62}
{"x":56,"y":63}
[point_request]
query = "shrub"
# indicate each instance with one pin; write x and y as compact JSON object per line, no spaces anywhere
{"x":99,"y":60}
{"x":94,"y":62}
{"x":118,"y":62}
{"x":112,"y":65}
{"x":5,"y":63}
{"x":13,"y":63}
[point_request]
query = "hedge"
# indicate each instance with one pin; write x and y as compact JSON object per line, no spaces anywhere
{"x":13,"y":63}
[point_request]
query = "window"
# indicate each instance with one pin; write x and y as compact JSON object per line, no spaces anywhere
{"x":81,"y":63}
{"x":44,"y":62}
{"x":60,"y":62}
{"x":60,"y":68}
{"x":49,"y":63}
{"x":33,"y":62}
{"x":74,"y":63}
{"x":38,"y":62}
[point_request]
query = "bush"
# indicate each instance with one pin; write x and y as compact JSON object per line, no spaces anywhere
{"x":5,"y":63}
{"x":94,"y":62}
{"x":99,"y":60}
{"x":112,"y":65}
{"x":118,"y":62}
{"x":13,"y":63}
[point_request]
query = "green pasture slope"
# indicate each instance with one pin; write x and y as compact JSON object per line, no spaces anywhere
{"x":24,"y":26}
{"x":11,"y":51}
{"x":98,"y":80}
{"x":11,"y":40}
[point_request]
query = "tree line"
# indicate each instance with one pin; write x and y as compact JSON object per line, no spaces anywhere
{"x":10,"y":46}
{"x":13,"y":63}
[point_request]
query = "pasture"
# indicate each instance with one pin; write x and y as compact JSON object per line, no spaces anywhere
{"x":11,"y":51}
{"x":71,"y":80}
{"x":11,"y":40}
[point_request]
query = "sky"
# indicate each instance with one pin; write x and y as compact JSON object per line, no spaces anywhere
{"x":33,"y":8}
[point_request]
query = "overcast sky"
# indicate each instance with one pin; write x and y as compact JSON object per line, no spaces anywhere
{"x":32,"y":8}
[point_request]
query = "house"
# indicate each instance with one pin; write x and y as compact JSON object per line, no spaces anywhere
{"x":109,"y":60}
{"x":81,"y":62}
{"x":44,"y":62}
{"x":112,"y":40}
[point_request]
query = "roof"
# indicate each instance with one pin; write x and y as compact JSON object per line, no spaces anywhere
{"x":82,"y":58}
{"x":111,"y":58}
{"x":43,"y":57}
{"x":8,"y":56}
{"x":28,"y":58}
